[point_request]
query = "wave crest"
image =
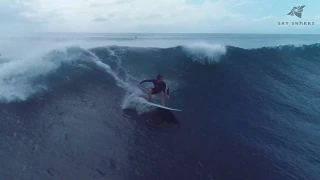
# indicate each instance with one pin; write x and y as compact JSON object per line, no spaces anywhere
{"x":202,"y":52}
{"x":19,"y":79}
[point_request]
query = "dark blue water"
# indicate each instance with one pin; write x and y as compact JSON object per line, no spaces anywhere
{"x":71,"y":109}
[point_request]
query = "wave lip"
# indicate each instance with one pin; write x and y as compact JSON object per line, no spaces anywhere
{"x":203,"y":52}
{"x":21,"y":78}
{"x":16,"y":77}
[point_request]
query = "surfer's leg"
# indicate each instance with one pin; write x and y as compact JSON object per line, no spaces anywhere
{"x":149,"y":94}
{"x":162,"y":99}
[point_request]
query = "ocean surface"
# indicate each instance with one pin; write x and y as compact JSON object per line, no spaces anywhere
{"x":70,"y":107}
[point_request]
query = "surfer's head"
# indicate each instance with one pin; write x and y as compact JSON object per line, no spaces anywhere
{"x":159,"y":78}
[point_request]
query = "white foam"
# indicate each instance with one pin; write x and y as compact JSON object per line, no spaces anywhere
{"x":17,"y":75}
{"x":203,"y":51}
{"x":136,"y":99}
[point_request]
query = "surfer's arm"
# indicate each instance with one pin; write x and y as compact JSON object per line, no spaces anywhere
{"x":168,"y":91}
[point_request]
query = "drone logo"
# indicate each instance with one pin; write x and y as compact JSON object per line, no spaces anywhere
{"x":296,"y":11}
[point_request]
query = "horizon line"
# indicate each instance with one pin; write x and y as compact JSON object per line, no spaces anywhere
{"x":170,"y":33}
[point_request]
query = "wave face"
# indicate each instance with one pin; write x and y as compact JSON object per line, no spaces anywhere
{"x":247,"y":113}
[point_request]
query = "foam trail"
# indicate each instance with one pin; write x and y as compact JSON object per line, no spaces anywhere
{"x":133,"y":97}
{"x":107,"y":69}
{"x":133,"y":100}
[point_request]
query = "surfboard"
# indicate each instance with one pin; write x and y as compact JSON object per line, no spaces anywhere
{"x":163,"y":107}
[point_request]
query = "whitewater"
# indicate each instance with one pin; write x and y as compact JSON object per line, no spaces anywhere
{"x":70,"y":107}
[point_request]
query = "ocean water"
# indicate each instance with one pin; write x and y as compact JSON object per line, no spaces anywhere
{"x":70,"y":107}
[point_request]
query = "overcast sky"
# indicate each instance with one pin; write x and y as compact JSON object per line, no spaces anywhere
{"x":156,"y":16}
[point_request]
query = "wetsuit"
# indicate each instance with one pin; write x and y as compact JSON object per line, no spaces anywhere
{"x":158,"y":87}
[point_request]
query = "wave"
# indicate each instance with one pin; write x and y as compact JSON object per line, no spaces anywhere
{"x":263,"y":96}
{"x":34,"y":73}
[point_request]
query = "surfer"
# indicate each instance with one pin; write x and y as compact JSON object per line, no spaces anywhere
{"x":159,"y":87}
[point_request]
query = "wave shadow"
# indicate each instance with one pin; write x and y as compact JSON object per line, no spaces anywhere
{"x":155,"y":119}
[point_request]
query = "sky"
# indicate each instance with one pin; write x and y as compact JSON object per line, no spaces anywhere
{"x":157,"y":16}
